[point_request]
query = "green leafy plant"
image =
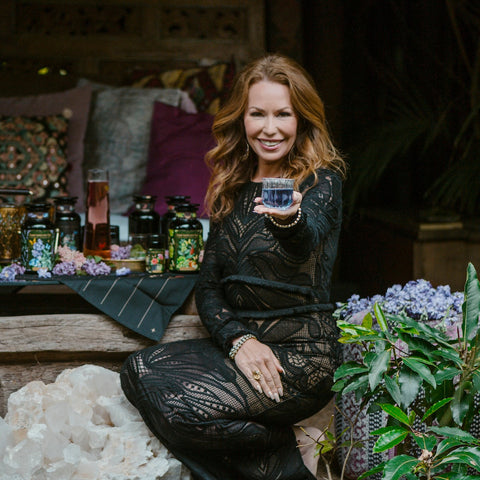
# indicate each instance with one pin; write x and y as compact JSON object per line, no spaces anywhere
{"x":426,"y":381}
{"x":429,"y":117}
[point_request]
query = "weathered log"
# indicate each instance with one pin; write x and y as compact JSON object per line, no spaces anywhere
{"x":39,"y":347}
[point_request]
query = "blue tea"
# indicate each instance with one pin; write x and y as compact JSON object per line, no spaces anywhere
{"x":280,"y":198}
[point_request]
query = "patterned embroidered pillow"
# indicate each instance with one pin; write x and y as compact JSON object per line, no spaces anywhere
{"x":207,"y":86}
{"x":77,"y":102}
{"x":33,"y":154}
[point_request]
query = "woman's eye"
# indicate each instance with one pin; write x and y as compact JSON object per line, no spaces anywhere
{"x":255,"y":114}
{"x":284,"y":114}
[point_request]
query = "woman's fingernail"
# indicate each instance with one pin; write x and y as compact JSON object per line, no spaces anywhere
{"x":277,"y":398}
{"x":258,"y":388}
{"x":280,"y":391}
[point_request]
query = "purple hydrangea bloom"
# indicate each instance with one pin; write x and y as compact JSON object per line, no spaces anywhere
{"x":93,"y":268}
{"x":122,"y":271}
{"x":64,"y":268}
{"x":417,"y":299}
{"x":7,"y":274}
{"x":43,"y":273}
{"x":17,"y":268}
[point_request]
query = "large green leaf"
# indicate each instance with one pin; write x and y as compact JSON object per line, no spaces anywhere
{"x":435,"y":407}
{"x":390,"y":439}
{"x":471,"y":304}
{"x":378,"y":367}
{"x":396,"y":413}
{"x":425,"y":442}
{"x":429,"y":333}
{"x":468,"y":456}
{"x":393,"y":389}
{"x":449,"y":443}
{"x":453,"y":432}
{"x":398,"y":466}
{"x":446,"y":374}
{"x":461,"y":404}
{"x":372,"y":471}
{"x":349,"y":369}
{"x":418,"y":366}
{"x":381,"y":320}
{"x":356,"y":385}
{"x":410,"y":384}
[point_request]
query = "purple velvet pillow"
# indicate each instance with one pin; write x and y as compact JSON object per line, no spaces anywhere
{"x":176,"y":166}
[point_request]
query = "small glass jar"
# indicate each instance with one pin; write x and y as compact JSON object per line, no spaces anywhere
{"x":185,"y":239}
{"x":172,"y":201}
{"x":68,"y":223}
{"x":155,"y":258}
{"x":144,"y":219}
{"x":38,"y":238}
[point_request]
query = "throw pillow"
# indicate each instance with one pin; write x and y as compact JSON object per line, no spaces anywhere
{"x":176,"y":166}
{"x":118,"y":136}
{"x":207,"y":86}
{"x":76,"y":102}
{"x":33,"y":154}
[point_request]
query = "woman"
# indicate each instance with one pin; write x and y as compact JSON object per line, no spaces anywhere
{"x":226,"y":406}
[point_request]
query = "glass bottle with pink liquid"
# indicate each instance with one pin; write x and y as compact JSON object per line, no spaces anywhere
{"x":97,"y":219}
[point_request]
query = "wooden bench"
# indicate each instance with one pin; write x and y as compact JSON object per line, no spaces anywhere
{"x":36,"y":344}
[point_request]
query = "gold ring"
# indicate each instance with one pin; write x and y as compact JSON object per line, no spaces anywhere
{"x":256,"y":375}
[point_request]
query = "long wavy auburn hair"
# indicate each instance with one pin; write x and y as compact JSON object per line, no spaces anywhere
{"x":232,"y":164}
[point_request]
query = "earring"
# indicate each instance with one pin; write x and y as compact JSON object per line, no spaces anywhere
{"x":247,"y":152}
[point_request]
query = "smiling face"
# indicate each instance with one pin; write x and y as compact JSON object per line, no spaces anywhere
{"x":270,"y":123}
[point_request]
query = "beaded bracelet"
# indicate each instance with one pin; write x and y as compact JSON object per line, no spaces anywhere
{"x":234,"y":350}
{"x":288,"y":225}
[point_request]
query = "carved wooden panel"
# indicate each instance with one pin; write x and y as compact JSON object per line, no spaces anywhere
{"x":201,"y":23}
{"x":102,"y":41}
{"x":50,"y":18}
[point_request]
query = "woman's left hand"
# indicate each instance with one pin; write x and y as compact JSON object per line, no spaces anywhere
{"x":291,"y":211}
{"x":262,"y":368}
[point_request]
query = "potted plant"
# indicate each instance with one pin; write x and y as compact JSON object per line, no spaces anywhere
{"x":424,"y":378}
{"x":425,"y":131}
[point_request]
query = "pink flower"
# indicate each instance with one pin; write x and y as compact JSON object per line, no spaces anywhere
{"x":68,"y":255}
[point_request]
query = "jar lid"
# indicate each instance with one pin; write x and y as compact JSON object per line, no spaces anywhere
{"x":186,"y":207}
{"x":65,"y":200}
{"x":144,"y":198}
{"x":174,"y":199}
{"x":38,"y":207}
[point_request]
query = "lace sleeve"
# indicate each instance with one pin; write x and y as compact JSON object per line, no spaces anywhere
{"x":212,"y":307}
{"x":321,"y":212}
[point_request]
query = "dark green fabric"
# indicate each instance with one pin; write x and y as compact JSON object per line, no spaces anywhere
{"x":143,"y":303}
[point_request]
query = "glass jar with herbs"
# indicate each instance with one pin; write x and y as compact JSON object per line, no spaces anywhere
{"x":185,"y":239}
{"x":38,"y":238}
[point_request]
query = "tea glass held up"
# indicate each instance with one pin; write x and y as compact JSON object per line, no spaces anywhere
{"x":277,"y":192}
{"x":97,"y":218}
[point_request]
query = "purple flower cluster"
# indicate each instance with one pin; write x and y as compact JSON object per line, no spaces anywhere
{"x":120,"y":253}
{"x":417,"y":299}
{"x":9,"y":273}
{"x":91,"y":267}
{"x":64,"y":268}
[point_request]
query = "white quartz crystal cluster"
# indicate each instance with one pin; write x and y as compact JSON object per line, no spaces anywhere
{"x":80,"y":427}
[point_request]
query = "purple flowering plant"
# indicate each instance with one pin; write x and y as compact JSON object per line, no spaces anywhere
{"x":417,"y":299}
{"x":424,"y":378}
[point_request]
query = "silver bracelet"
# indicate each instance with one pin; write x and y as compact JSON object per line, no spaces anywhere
{"x":288,"y":225}
{"x":234,"y":350}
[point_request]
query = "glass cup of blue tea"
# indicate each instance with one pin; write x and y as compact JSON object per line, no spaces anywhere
{"x":277,"y":192}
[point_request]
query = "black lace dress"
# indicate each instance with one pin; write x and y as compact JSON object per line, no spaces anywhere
{"x":261,"y":279}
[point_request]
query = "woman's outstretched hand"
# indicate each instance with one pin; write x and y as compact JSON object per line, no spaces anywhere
{"x":277,"y":213}
{"x":262,"y":368}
